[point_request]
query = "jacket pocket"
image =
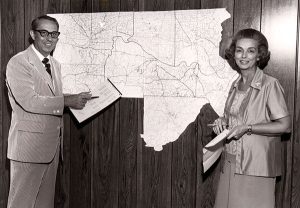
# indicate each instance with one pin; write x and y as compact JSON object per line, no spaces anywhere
{"x":31,"y":126}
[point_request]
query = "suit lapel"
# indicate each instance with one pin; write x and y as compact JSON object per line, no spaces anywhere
{"x":55,"y":71}
{"x":39,"y":66}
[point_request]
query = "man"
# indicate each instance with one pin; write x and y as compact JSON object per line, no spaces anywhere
{"x":35,"y":136}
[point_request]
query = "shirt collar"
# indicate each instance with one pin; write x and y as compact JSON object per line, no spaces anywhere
{"x":256,"y":81}
{"x":40,"y":56}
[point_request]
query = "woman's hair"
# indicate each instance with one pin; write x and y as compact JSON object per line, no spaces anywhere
{"x":263,"y":48}
{"x":35,"y":24}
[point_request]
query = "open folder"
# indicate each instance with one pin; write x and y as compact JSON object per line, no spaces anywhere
{"x":217,"y":139}
{"x":104,"y":94}
{"x":213,"y":150}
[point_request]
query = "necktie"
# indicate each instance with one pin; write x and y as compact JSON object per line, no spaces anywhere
{"x":47,"y":65}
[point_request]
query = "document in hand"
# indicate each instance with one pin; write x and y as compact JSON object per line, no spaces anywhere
{"x":213,"y":150}
{"x":218,"y":138}
{"x":104,"y":95}
{"x":210,"y":157}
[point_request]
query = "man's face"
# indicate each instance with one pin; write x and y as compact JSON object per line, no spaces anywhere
{"x":44,"y":44}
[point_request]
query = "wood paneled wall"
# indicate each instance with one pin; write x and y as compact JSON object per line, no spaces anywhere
{"x":106,"y":163}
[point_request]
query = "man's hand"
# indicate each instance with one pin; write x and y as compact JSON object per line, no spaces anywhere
{"x":77,"y":101}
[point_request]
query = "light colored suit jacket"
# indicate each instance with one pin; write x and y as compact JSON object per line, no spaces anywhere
{"x":37,"y":106}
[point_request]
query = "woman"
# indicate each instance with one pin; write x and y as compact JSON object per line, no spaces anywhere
{"x":256,"y":115}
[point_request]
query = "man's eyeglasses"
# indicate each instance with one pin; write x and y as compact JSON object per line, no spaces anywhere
{"x":45,"y":33}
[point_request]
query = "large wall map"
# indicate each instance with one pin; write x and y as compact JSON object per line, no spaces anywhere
{"x":169,"y":58}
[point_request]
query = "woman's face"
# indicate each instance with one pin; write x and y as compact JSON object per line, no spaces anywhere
{"x":246,"y":53}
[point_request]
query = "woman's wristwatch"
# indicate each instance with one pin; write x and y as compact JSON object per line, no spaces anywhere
{"x":249,"y":129}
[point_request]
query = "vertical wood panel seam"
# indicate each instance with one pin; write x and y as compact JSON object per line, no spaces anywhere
{"x":2,"y":92}
{"x":136,"y":154}
{"x":197,"y":162}
{"x":119,"y":148}
{"x":233,"y":19}
{"x":171,"y":168}
{"x":92,"y":141}
{"x":296,"y":73}
{"x":2,"y":95}
{"x":1,"y":108}
{"x":232,"y":16}
{"x":261,"y":13}
{"x":295,"y":140}
{"x":70,"y":149}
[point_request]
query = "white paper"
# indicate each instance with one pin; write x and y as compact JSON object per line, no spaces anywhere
{"x":213,"y":150}
{"x":170,"y":58}
{"x":210,"y":157}
{"x":107,"y":94}
{"x":219,"y":138}
{"x":167,"y":118}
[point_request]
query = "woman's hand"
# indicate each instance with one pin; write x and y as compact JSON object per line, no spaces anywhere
{"x":219,"y":125}
{"x":273,"y":128}
{"x":237,"y":132}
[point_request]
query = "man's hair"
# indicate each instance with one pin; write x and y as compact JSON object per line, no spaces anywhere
{"x":35,"y":24}
{"x":263,"y":48}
